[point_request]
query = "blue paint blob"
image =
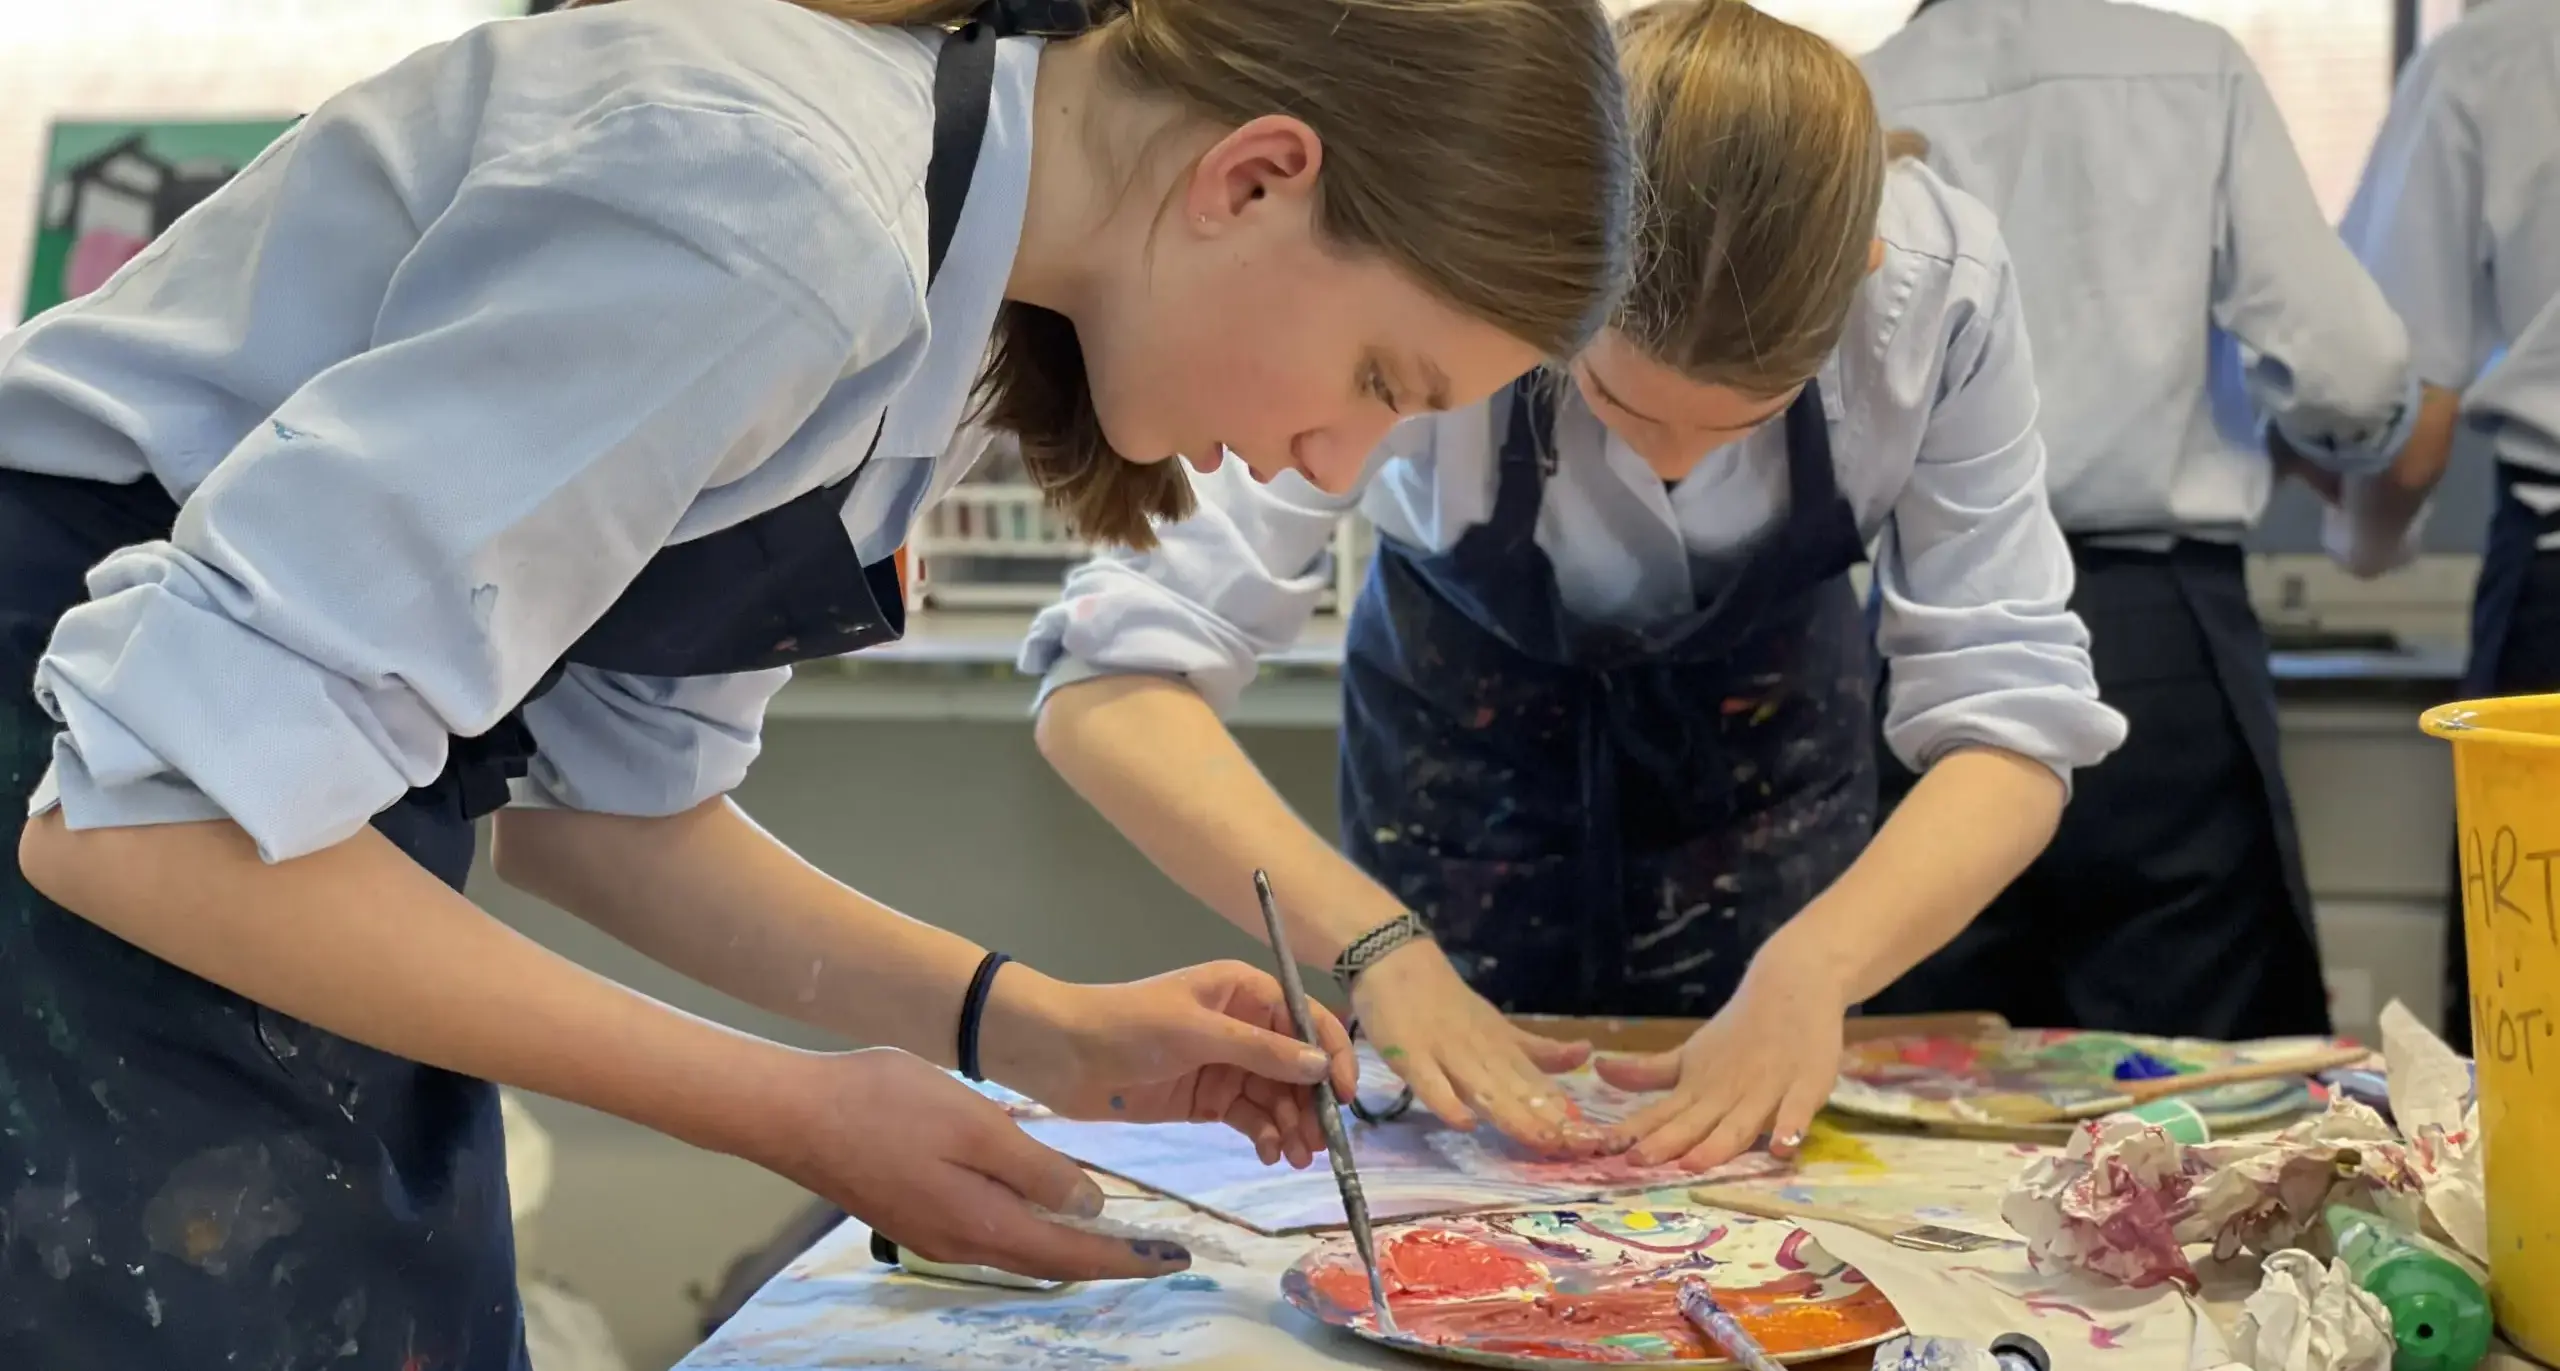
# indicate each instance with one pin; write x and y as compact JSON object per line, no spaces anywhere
{"x":1118,"y":1105}
{"x":2142,"y":1066}
{"x":1157,"y":1250}
{"x":1192,"y":1285}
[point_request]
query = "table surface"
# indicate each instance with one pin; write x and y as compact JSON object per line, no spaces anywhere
{"x":837,"y":1308}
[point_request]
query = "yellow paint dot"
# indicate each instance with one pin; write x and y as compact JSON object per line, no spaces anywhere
{"x":1641,"y":1222}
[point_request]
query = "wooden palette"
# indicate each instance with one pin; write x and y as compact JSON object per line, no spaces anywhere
{"x":1594,"y":1285}
{"x":1962,"y":1083}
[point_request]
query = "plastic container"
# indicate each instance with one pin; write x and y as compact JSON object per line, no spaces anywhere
{"x":2439,"y":1315}
{"x":2506,"y":798}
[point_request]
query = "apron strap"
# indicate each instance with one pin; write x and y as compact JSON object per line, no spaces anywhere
{"x":1527,"y":457}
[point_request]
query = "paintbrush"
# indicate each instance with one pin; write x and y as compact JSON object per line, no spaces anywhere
{"x":1698,"y":1305}
{"x":1927,"y":1237}
{"x":2029,"y":1109}
{"x":1355,"y":1208}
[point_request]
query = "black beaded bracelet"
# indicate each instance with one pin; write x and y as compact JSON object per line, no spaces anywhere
{"x":1371,"y":947}
{"x":973,"y":1008}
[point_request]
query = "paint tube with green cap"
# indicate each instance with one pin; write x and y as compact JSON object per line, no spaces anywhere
{"x":2439,"y":1315}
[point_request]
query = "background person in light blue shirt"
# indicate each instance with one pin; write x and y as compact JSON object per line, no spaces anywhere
{"x":2458,"y":216}
{"x":517,"y":421}
{"x":1608,"y":691}
{"x":2180,"y":285}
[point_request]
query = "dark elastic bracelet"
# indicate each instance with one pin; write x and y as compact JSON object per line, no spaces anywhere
{"x":974,"y":1008}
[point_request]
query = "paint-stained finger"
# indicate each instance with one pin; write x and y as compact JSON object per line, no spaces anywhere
{"x":1548,"y":1054}
{"x":1734,"y":1134}
{"x":1804,"y":1099}
{"x":1675,"y":1137}
{"x":1636,"y":1127}
{"x":990,"y":1227}
{"x":1432,"y":1089}
{"x":1515,"y":1097}
{"x":1545,"y":1099}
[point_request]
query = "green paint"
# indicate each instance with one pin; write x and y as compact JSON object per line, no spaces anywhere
{"x":1393,"y":1054}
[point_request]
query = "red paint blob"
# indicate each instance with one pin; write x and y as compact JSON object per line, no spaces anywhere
{"x":1953,"y":1055}
{"x":1429,"y":1264}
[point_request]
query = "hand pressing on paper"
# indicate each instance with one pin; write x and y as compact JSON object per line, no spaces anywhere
{"x":1207,"y":1044}
{"x":1466,"y":1063}
{"x":1761,"y":1067}
{"x":942,"y":1170}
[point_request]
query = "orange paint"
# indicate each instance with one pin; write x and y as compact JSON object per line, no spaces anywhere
{"x":1638,"y":1324}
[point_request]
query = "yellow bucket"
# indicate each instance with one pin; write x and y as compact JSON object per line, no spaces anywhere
{"x":2506,"y":789}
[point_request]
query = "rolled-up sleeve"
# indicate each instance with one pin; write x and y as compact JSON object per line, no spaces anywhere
{"x":1973,"y":578}
{"x":2325,"y":356}
{"x":578,"y":341}
{"x":1236,"y":580}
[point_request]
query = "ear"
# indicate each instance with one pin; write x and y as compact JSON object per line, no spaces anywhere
{"x":1267,"y":159}
{"x":1875,"y":255}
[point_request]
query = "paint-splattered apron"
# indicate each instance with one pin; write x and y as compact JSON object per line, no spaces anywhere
{"x":190,"y":1181}
{"x":1594,"y":819}
{"x":2515,"y":650}
{"x":2172,"y":898}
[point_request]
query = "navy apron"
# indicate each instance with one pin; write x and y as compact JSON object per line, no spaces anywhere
{"x":1600,"y":820}
{"x":2172,"y":898}
{"x":195,"y":1182}
{"x":2515,"y":650}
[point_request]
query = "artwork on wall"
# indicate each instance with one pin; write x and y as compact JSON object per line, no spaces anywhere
{"x":110,"y":188}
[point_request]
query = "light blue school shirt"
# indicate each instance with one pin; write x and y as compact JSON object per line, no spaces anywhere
{"x":438,"y":374}
{"x":1931,"y":400}
{"x":2518,"y":401}
{"x":2458,"y":214}
{"x":2178,"y":274}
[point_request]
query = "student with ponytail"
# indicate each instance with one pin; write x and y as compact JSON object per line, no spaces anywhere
{"x":493,"y":446}
{"x":1606,"y":703}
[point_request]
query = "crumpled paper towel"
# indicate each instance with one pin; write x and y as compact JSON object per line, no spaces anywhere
{"x":2125,"y":1200}
{"x":2110,"y":1203}
{"x":2307,"y":1317}
{"x":2432,"y":1097}
{"x":2265,"y":1195}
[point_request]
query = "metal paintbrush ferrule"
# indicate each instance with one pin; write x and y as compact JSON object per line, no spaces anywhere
{"x":1337,"y":1142}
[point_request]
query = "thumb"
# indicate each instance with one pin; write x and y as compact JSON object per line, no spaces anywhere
{"x":1549,"y":1055}
{"x":1652,"y":1071}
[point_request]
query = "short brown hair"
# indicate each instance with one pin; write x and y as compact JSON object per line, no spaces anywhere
{"x":1763,"y":165}
{"x":1479,"y":145}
